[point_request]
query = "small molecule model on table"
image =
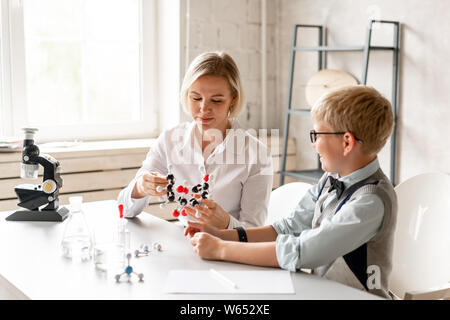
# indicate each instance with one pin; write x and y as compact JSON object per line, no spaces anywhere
{"x":144,"y":249}
{"x":129,"y":271}
{"x":180,"y":194}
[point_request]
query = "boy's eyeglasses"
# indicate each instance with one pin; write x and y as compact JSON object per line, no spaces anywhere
{"x":313,"y":135}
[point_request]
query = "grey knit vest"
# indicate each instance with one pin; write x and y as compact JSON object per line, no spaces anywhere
{"x":367,"y":267}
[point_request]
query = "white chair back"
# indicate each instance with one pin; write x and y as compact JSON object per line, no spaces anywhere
{"x":284,"y":199}
{"x":421,"y":257}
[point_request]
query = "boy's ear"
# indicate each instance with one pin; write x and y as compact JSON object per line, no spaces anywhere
{"x":349,"y":143}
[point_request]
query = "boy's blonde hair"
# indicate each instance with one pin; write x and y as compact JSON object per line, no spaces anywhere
{"x":361,"y":110}
{"x":215,"y":64}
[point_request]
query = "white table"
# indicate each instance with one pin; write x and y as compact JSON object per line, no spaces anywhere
{"x":32,"y":266}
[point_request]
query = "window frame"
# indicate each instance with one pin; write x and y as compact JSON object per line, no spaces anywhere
{"x":6,"y":119}
{"x":14,"y":100}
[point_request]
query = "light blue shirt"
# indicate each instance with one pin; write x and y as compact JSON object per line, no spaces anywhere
{"x":299,"y":245}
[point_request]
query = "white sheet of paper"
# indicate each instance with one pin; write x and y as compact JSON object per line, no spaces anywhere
{"x":248,"y":282}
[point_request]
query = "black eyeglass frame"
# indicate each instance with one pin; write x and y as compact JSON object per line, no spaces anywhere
{"x":313,"y":135}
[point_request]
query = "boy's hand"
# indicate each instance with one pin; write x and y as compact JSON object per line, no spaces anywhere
{"x":207,"y":246}
{"x":194,"y":227}
{"x":210,"y":213}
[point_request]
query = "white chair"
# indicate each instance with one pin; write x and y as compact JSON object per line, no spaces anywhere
{"x":421,"y":257}
{"x":284,"y":199}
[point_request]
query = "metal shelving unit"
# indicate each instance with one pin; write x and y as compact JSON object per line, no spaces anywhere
{"x":315,"y":174}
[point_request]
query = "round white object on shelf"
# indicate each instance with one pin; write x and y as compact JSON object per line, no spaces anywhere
{"x":325,"y":81}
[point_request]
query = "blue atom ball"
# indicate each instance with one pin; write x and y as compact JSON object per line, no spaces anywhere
{"x":129,"y":270}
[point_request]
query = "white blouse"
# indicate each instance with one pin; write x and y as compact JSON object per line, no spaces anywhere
{"x":240,"y":168}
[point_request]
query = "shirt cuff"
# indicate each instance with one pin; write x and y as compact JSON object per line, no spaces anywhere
{"x":288,"y":252}
{"x":279,"y":227}
{"x":234,"y":223}
{"x":132,"y":207}
{"x":136,"y":206}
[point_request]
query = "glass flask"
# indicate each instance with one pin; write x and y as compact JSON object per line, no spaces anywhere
{"x":77,"y":242}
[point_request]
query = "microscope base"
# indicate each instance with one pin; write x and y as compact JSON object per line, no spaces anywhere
{"x":36,"y":215}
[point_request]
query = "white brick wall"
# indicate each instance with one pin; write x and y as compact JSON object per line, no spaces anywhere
{"x":234,"y":26}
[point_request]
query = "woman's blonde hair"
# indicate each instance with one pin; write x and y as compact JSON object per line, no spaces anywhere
{"x":215,"y":64}
{"x":361,"y":110}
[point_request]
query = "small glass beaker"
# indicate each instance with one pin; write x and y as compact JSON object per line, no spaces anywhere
{"x":109,"y":256}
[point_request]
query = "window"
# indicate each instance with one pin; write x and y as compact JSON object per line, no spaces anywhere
{"x":82,"y":62}
{"x":83,"y":69}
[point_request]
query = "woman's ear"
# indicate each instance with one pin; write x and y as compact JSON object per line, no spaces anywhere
{"x":231,"y":108}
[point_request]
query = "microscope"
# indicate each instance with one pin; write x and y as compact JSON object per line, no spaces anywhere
{"x":34,"y":197}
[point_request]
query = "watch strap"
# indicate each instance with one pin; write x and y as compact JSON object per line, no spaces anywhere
{"x":241,"y":234}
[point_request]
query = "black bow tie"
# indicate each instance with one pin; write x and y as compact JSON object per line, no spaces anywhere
{"x":337,"y":185}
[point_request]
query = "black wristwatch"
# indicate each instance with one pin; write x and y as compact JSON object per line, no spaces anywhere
{"x":241,"y":234}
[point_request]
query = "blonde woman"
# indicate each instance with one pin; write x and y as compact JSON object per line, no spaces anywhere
{"x":212,"y":143}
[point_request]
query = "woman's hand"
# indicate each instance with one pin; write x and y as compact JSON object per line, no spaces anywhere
{"x":147,"y":184}
{"x":210,"y":213}
{"x":207,"y":246}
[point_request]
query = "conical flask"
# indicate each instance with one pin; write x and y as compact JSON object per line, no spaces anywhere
{"x":77,"y":241}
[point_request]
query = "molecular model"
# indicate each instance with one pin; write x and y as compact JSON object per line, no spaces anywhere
{"x":129,"y":271}
{"x":144,"y":249}
{"x":181,"y":194}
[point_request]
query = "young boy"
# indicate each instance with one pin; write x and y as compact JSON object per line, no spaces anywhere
{"x":343,"y":227}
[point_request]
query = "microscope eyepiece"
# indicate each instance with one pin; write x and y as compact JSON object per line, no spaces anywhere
{"x":29,"y":133}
